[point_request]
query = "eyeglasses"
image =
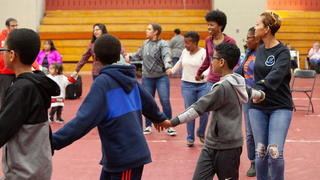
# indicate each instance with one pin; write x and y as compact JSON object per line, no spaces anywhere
{"x":2,"y":50}
{"x":215,"y":58}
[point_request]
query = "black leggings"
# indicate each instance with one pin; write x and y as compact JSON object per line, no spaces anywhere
{"x":57,"y":109}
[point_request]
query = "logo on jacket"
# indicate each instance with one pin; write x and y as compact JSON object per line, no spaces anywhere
{"x":270,"y":61}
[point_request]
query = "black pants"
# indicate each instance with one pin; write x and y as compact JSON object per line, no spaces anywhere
{"x":130,"y":174}
{"x":224,"y":163}
{"x":5,"y":82}
{"x":58,"y":110}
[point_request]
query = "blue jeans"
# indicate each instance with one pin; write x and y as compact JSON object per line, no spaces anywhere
{"x":191,"y":93}
{"x":270,"y":128}
{"x":249,"y":134}
{"x":209,"y":86}
{"x":315,"y":63}
{"x":162,"y":85}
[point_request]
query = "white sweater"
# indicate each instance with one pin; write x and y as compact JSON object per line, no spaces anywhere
{"x":62,"y":81}
{"x":190,"y":65}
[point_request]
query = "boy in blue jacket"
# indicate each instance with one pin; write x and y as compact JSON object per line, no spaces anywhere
{"x":115,"y":105}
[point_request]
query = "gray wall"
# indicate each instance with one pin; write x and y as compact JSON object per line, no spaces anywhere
{"x":28,"y":12}
{"x":241,"y":15}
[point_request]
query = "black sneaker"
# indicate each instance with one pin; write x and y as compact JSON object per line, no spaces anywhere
{"x":190,"y":143}
{"x":252,"y":170}
{"x":201,"y":138}
{"x":148,"y":130}
{"x":51,"y":118}
{"x":60,"y":121}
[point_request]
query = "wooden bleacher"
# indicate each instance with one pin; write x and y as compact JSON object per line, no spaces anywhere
{"x":301,"y":29}
{"x":71,"y":31}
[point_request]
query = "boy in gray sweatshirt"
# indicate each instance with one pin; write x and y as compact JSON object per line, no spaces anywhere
{"x":223,"y":144}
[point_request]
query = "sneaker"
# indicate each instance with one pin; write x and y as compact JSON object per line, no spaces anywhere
{"x":148,"y":130}
{"x":252,"y":170}
{"x":51,"y":118}
{"x":171,"y":132}
{"x":190,"y":143}
{"x":60,"y":121}
{"x":201,"y":138}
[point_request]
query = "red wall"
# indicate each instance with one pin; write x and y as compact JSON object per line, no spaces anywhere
{"x":126,"y":4}
{"x":305,"y":5}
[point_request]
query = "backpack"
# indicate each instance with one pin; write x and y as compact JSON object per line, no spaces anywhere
{"x":74,"y":90}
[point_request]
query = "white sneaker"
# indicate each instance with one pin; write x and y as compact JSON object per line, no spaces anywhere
{"x":148,"y":130}
{"x":171,"y":132}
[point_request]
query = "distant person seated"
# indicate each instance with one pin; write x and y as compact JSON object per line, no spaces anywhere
{"x":294,"y":55}
{"x":314,"y":56}
{"x":48,"y":55}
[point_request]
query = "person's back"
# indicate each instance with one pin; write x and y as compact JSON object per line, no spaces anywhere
{"x":115,"y":105}
{"x":24,"y":128}
{"x":176,"y":44}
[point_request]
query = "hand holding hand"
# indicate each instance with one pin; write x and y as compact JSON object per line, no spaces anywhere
{"x":199,"y":78}
{"x":169,"y":72}
{"x":127,"y":58}
{"x":163,"y":125}
{"x":260,"y":99}
{"x":74,"y":75}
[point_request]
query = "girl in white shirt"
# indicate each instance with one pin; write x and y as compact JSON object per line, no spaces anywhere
{"x":57,"y":102}
{"x":190,"y":60}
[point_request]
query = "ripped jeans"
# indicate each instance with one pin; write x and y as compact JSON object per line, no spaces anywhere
{"x":270,"y":129}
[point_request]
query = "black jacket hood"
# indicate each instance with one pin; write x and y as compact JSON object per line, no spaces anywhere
{"x":46,"y":86}
{"x":125,"y":75}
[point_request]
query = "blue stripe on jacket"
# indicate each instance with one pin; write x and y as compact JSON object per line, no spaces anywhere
{"x":120,"y":103}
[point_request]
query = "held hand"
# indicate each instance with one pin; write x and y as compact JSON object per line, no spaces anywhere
{"x":158,"y":127}
{"x":199,"y":78}
{"x":169,"y":72}
{"x":74,"y":75}
{"x":127,"y":58}
{"x":258,"y":100}
{"x":163,"y":125}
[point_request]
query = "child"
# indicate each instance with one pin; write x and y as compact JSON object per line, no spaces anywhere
{"x":115,"y":105}
{"x":57,"y":102}
{"x":24,"y":127}
{"x":223,"y":143}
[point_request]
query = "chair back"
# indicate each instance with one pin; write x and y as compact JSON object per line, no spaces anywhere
{"x":305,"y":86}
{"x":305,"y":73}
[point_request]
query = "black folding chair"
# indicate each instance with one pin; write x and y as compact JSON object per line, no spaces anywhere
{"x":309,"y":79}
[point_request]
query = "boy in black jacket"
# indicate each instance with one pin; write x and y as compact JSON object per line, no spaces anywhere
{"x":24,"y":128}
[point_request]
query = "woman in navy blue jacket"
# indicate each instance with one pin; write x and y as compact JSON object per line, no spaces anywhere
{"x":270,"y":119}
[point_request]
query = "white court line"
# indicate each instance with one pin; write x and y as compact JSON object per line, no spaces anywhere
{"x":316,"y":99}
{"x":313,"y":115}
{"x":302,"y":141}
{"x":158,"y":141}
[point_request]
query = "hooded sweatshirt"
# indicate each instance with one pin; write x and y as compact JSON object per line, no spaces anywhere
{"x":24,"y":129}
{"x":224,"y":102}
{"x":115,"y":105}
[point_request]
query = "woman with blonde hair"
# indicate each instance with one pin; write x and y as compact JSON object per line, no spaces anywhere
{"x":270,"y":119}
